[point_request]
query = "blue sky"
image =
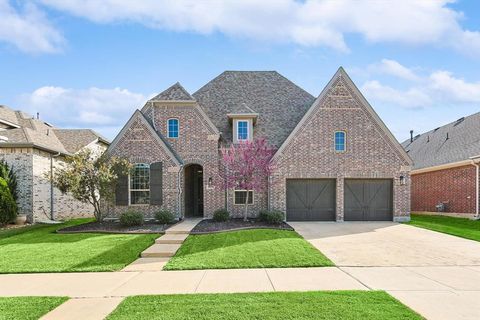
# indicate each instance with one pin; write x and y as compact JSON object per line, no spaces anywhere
{"x":91,"y":63}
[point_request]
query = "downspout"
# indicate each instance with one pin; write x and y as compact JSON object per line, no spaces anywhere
{"x":180,"y":192}
{"x":476,"y":163}
{"x":52,"y":216}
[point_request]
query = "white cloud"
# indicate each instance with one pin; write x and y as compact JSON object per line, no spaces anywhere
{"x":308,"y":23}
{"x":103,"y":109}
{"x":411,"y":98}
{"x":28,"y":29}
{"x":437,"y":88}
{"x":393,"y":68}
{"x":454,"y":89}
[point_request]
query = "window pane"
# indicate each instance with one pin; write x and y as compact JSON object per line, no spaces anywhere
{"x":241,"y":197}
{"x":242,"y":128}
{"x":140,"y":177}
{"x":140,"y":197}
{"x":339,"y":141}
{"x":173,"y":128}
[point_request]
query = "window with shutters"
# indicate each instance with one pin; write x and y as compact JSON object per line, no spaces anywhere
{"x":140,"y":184}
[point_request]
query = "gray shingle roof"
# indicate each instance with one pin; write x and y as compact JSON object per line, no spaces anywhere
{"x":174,"y":93}
{"x":75,"y":139}
{"x":40,"y":134}
{"x":278,"y":101}
{"x":432,"y":148}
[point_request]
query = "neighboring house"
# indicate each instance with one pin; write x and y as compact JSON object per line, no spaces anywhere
{"x":33,"y":147}
{"x":335,"y":159}
{"x":446,"y":166}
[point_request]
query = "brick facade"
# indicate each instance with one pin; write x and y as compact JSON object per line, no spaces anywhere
{"x":455,"y":185}
{"x":32,"y":167}
{"x":371,"y":152}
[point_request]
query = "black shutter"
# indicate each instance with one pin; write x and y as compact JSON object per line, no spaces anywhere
{"x":156,"y":180}
{"x":121,"y":191}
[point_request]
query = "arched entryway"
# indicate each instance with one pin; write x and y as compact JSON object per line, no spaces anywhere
{"x":193,"y":189}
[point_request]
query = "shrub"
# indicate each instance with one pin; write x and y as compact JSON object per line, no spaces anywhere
{"x":273,"y":217}
{"x":164,"y":217}
{"x":131,"y":218}
{"x":7,"y":173}
{"x":221,"y":215}
{"x":8,"y":207}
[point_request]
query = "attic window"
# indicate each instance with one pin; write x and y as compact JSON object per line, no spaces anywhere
{"x":172,"y":128}
{"x":242,"y":130}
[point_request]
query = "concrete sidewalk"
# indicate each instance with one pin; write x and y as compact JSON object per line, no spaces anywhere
{"x":435,"y":292}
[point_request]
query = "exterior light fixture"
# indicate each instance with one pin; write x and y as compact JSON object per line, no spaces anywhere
{"x":402,"y":180}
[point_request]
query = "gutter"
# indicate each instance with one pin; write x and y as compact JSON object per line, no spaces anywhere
{"x":52,"y":216}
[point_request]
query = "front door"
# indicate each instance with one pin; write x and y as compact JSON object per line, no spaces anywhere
{"x":193,"y":191}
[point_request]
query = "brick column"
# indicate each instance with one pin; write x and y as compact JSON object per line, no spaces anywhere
{"x":339,"y":196}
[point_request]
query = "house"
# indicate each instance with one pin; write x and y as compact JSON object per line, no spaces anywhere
{"x":335,"y":159}
{"x":33,"y":148}
{"x":446,"y":166}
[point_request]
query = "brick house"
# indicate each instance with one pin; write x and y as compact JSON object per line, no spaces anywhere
{"x":335,"y":158}
{"x":33,"y":147}
{"x":446,"y":166}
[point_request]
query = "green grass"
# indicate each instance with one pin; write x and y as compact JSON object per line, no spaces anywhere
{"x":40,"y":249}
{"x":28,"y":308}
{"x":246,"y":249}
{"x":343,"y":305}
{"x":460,"y":227}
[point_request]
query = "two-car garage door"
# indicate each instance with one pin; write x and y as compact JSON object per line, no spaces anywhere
{"x":315,"y":200}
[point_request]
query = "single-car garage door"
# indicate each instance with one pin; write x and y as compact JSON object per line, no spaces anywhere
{"x":368,"y":200}
{"x":311,"y":199}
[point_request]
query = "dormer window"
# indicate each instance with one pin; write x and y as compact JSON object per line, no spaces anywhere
{"x":242,"y":126}
{"x":242,"y":130}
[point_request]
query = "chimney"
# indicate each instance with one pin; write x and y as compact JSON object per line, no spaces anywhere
{"x":411,"y":135}
{"x":38,"y":115}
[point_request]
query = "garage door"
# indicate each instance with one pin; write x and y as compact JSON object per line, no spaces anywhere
{"x":368,"y":200}
{"x":311,"y":200}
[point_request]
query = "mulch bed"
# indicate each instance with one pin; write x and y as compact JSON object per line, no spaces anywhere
{"x":210,"y":226}
{"x":115,"y":227}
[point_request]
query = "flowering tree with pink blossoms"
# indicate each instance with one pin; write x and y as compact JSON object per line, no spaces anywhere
{"x":246,"y":166}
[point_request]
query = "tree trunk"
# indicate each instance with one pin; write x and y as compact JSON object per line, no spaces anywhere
{"x":245,"y":214}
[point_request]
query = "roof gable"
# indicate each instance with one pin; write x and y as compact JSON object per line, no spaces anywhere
{"x":174,"y":93}
{"x":156,"y":135}
{"x":341,"y":75}
{"x":280,"y":103}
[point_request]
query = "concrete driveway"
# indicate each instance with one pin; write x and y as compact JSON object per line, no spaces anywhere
{"x":388,"y":244}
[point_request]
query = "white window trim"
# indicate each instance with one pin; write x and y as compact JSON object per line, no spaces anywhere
{"x":344,"y":141}
{"x":242,"y":204}
{"x":168,"y":128}
{"x":248,"y":130}
{"x":130,"y":188}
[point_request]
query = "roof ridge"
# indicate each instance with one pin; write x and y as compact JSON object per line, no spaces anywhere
{"x":170,"y":94}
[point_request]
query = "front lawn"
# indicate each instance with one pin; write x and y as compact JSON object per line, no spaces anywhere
{"x":460,"y":227}
{"x":28,"y":308}
{"x":40,"y":249}
{"x":257,"y":248}
{"x":275,"y":305}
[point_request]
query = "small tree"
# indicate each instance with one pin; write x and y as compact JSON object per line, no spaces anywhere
{"x":90,"y":180}
{"x":246,"y":166}
{"x":8,"y":207}
{"x":7,"y":173}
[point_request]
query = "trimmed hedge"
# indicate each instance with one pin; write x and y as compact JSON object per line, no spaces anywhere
{"x":272,"y":217}
{"x":131,"y":218}
{"x":8,"y":206}
{"x":221,"y":215}
{"x":164,"y":217}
